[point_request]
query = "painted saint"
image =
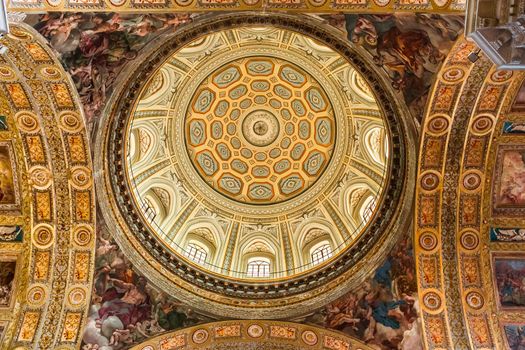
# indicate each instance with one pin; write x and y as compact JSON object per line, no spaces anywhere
{"x":511,"y":192}
{"x":510,"y":279}
{"x":7,"y":278}
{"x":7,"y":183}
{"x":515,"y":336}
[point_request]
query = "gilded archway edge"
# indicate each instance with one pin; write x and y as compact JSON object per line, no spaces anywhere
{"x":465,"y":112}
{"x":46,"y":127}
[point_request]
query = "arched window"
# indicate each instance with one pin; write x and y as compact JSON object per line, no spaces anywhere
{"x":321,"y":253}
{"x":258,"y":267}
{"x":196,"y":253}
{"x":368,"y":208}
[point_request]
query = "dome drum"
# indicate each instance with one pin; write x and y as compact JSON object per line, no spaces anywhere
{"x":227,"y":175}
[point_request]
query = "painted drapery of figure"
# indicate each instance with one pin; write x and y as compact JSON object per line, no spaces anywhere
{"x":384,"y":311}
{"x":125,"y":308}
{"x":409,"y":47}
{"x":94,"y":47}
{"x":510,"y":281}
{"x":7,"y":277}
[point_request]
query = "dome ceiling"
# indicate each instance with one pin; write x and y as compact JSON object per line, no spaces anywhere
{"x":256,"y":130}
{"x":242,"y":153}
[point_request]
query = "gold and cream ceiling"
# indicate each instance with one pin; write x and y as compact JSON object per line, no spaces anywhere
{"x":233,"y":139}
{"x":259,"y":167}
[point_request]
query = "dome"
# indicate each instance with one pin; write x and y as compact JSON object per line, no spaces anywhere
{"x":255,"y":135}
{"x":253,"y":159}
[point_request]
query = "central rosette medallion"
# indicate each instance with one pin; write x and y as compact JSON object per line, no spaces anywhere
{"x":260,"y":130}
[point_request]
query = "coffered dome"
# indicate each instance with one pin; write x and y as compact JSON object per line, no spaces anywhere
{"x":253,"y":154}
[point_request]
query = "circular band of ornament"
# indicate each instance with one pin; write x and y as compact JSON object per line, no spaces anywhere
{"x":482,"y":124}
{"x":37,"y":295}
{"x":214,"y":288}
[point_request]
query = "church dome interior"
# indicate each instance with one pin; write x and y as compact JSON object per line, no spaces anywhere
{"x":262,"y":174}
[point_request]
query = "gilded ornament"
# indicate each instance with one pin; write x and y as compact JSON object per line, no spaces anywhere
{"x":309,"y":338}
{"x":475,"y":300}
{"x":428,"y":241}
{"x":36,"y":295}
{"x":77,"y":296}
{"x":471,"y":181}
{"x":430,"y":181}
{"x":438,"y":124}
{"x":255,"y":331}
{"x":27,"y":122}
{"x":482,"y":124}
{"x":70,"y":122}
{"x":50,"y":72}
{"x":40,"y":177}
{"x":500,"y":76}
{"x":200,"y":336}
{"x":82,"y":236}
{"x":81,"y":177}
{"x":432,"y":301}
{"x":469,"y":240}
{"x":453,"y":74}
{"x":43,"y":236}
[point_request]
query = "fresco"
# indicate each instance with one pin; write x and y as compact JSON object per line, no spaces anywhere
{"x":515,"y":336}
{"x":7,"y":281}
{"x":94,"y":47}
{"x":507,"y":234}
{"x":511,"y":175}
{"x":409,"y":47}
{"x":514,"y":128}
{"x":3,"y":328}
{"x":8,"y":192}
{"x":519,"y":100}
{"x":125,"y":308}
{"x":11,"y":233}
{"x":509,"y":274}
{"x":384,"y":312}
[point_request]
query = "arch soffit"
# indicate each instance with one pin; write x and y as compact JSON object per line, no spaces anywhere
{"x":465,"y":115}
{"x":55,"y":253}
